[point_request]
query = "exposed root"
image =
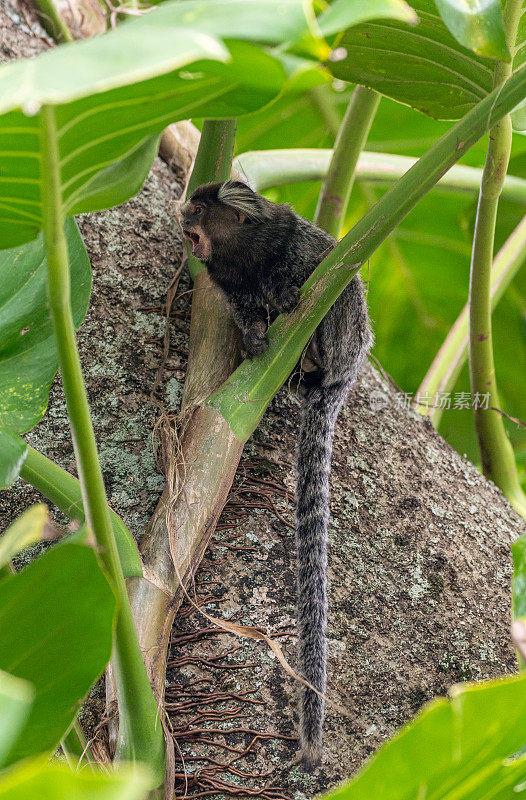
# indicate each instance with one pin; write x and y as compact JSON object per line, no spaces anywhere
{"x":207,"y":712}
{"x":253,"y":491}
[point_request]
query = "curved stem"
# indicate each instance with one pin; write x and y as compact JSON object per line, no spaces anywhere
{"x":267,"y":168}
{"x":351,"y":138}
{"x":140,"y":730}
{"x":498,"y":460}
{"x":207,"y":459}
{"x":443,"y":373}
{"x":52,"y":21}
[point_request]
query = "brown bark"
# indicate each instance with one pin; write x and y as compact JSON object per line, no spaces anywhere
{"x":419,"y":562}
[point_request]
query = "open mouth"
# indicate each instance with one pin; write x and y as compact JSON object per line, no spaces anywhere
{"x":194,"y":238}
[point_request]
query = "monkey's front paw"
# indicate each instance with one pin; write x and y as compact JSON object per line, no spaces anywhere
{"x":255,"y":342}
{"x":288,"y":300}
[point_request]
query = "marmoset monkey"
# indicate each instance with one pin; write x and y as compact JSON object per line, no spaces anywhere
{"x":260,"y":253}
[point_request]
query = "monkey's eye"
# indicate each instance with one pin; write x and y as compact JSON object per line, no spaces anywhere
{"x":199,"y":210}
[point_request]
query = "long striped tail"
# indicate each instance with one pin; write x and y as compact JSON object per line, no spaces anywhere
{"x":320,"y":410}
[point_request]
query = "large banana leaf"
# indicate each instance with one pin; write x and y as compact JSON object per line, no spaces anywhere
{"x":113,"y":93}
{"x":51,"y":637}
{"x":477,"y":26}
{"x":56,"y":625}
{"x":422,"y":65}
{"x":28,"y":354}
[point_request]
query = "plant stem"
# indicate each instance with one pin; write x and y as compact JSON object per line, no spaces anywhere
{"x":51,"y":20}
{"x":443,"y":373}
{"x":214,"y":158}
{"x":244,"y":396}
{"x":64,"y":491}
{"x":75,"y":747}
{"x":350,"y":141}
{"x":140,"y":731}
{"x":326,"y":108}
{"x":205,"y":461}
{"x":498,"y":460}
{"x":268,"y":168}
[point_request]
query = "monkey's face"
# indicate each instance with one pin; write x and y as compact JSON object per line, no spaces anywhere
{"x":194,"y":214}
{"x":213,"y":227}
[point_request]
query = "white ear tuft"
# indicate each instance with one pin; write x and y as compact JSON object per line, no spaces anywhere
{"x":241,"y":197}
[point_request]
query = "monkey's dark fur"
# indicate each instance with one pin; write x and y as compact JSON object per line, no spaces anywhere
{"x":260,"y":253}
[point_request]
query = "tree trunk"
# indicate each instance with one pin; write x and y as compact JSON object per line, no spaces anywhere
{"x":420,"y":564}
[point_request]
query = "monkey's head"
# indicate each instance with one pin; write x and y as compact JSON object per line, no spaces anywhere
{"x":216,"y":217}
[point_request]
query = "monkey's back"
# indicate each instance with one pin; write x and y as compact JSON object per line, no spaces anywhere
{"x":344,"y":332}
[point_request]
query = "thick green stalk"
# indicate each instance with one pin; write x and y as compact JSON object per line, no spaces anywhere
{"x":140,"y":731}
{"x":51,"y":20}
{"x":244,"y":396}
{"x":205,"y":457}
{"x":64,"y":491}
{"x":350,"y":141}
{"x":498,"y":460}
{"x":267,"y":168}
{"x":443,"y":373}
{"x":213,"y":159}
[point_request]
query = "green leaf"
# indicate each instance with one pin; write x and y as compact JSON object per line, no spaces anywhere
{"x":136,"y":51}
{"x":28,"y":355}
{"x":518,"y":549}
{"x":114,"y":92}
{"x":56,"y":625}
{"x":27,"y":529}
{"x":463,"y":748}
{"x":121,"y":180}
{"x":264,"y":21}
{"x":422,"y":66}
{"x":343,"y":14}
{"x":16,"y":697}
{"x":476,"y":25}
{"x":518,"y":117}
{"x":293,"y":121}
{"x":13,"y":452}
{"x":38,"y":780}
{"x":28,"y":363}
